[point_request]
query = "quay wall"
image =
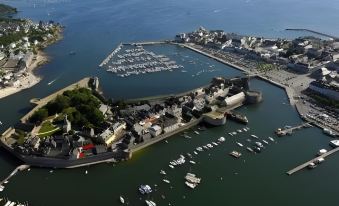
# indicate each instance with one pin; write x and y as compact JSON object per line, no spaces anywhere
{"x":288,"y":90}
{"x":164,"y":136}
{"x":60,"y":163}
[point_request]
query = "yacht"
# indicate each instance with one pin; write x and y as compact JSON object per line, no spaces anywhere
{"x":235,"y":154}
{"x":145,"y":189}
{"x":209,"y":145}
{"x":321,"y":152}
{"x":2,"y":188}
{"x":199,"y":149}
{"x":196,"y":132}
{"x":230,"y":134}
{"x":171,"y":166}
{"x":311,"y":165}
{"x":249,"y":149}
{"x":221,"y":139}
{"x":254,"y":136}
{"x":162,"y":172}
{"x":264,"y":141}
{"x":240,"y":145}
{"x":257,"y":149}
{"x":150,"y":203}
{"x":234,"y":133}
{"x":195,"y":152}
{"x":270,"y":138}
{"x":192,"y":162}
{"x":0,"y":123}
{"x":166,"y":181}
{"x":259,"y":144}
{"x":122,"y":200}
{"x":190,"y":185}
{"x":239,"y":130}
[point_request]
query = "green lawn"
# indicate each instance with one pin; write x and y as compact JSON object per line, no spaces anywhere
{"x":47,"y":129}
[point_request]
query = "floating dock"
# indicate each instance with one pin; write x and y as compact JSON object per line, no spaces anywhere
{"x":302,"y":166}
{"x":283,"y":132}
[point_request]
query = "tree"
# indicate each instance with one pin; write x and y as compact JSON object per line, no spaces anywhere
{"x":39,"y":115}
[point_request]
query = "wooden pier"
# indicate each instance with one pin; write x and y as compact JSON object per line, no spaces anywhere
{"x":16,"y":170}
{"x":302,"y":166}
{"x":283,"y":132}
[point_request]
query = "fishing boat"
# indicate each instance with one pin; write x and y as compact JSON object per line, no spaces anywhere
{"x":122,"y":200}
{"x":240,"y":145}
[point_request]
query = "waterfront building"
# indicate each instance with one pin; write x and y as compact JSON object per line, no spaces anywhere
{"x":155,"y":130}
{"x":330,"y":90}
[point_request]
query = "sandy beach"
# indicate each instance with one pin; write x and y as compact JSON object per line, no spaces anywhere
{"x":29,"y":79}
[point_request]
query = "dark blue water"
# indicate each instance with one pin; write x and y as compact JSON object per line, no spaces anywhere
{"x":94,"y":28}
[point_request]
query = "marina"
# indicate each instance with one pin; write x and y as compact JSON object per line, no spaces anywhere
{"x":135,"y":60}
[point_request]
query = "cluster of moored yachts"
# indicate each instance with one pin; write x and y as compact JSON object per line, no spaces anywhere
{"x":256,"y":143}
{"x":191,"y":180}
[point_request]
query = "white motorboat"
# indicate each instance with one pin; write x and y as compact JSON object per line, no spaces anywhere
{"x":264,"y":141}
{"x":254,"y":136}
{"x":190,"y":185}
{"x":171,"y":166}
{"x":249,"y":149}
{"x":270,"y":138}
{"x":166,"y":181}
{"x":240,"y":145}
{"x":192,"y":162}
{"x":162,"y":172}
{"x":196,"y":132}
{"x":150,"y":203}
{"x":145,"y":189}
{"x":122,"y":200}
{"x":221,"y":139}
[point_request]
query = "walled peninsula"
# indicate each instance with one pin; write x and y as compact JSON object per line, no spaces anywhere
{"x":77,"y":126}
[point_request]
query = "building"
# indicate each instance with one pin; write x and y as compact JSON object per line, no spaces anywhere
{"x":299,"y":67}
{"x":111,"y":134}
{"x":155,"y":130}
{"x":330,"y":90}
{"x":170,"y":124}
{"x":67,"y":125}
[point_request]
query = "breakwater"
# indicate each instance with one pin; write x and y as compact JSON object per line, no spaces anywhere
{"x":314,"y":32}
